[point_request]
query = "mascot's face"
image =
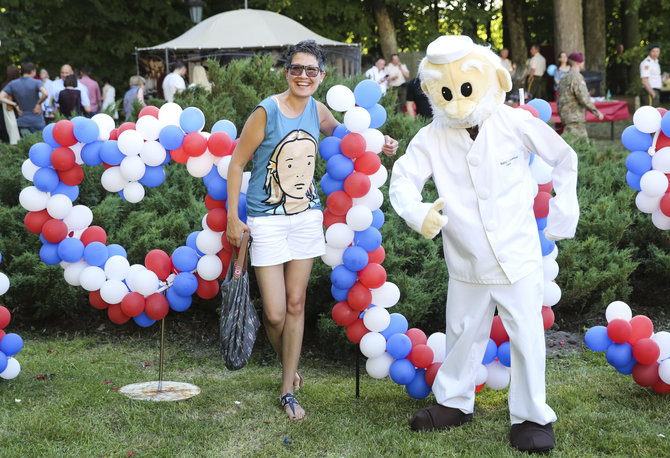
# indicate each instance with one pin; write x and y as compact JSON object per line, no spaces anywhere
{"x":465,"y":92}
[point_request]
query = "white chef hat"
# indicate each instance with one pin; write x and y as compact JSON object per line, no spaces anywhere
{"x":449,"y":48}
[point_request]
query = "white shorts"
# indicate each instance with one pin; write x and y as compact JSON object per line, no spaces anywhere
{"x":281,"y":238}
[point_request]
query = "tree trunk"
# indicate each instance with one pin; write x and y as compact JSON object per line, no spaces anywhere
{"x":595,"y":39}
{"x":569,"y":30}
{"x":631,"y":35}
{"x":385,"y":29}
{"x":513,"y":17}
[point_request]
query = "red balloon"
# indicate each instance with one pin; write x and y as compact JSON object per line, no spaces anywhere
{"x":132,"y":304}
{"x":356,"y":331}
{"x":661,"y":387}
{"x":541,"y":204}
{"x":329,"y":218}
{"x":662,"y":111}
{"x":339,"y":203}
{"x":63,"y":133}
{"x":207,"y":289}
{"x":646,"y":374}
{"x":359,"y":297}
{"x":357,"y":184}
{"x":478,"y":388}
{"x":646,"y":351}
{"x":149,"y":110}
{"x":498,"y":331}
{"x":353,"y":145}
{"x":157,"y":306}
{"x":5,"y":316}
{"x":116,"y":315}
{"x":663,"y":141}
{"x":226,"y":243}
{"x":194,"y":144}
{"x":642,"y":328}
{"x":367,"y":163}
{"x":179,"y":155}
{"x":212,"y":203}
{"x":417,"y":336}
{"x":54,"y":230}
{"x":2,"y":334}
{"x":372,"y":276}
{"x":219,"y":144}
{"x":93,"y":234}
{"x":530,"y":109}
{"x":377,"y":256}
{"x":431,"y":373}
{"x":619,"y":330}
{"x":547,"y":317}
{"x":96,"y":300}
{"x":35,"y":220}
{"x":665,"y":204}
{"x":73,"y":176}
{"x":343,"y":314}
{"x":224,"y":256}
{"x":546,"y":187}
{"x":217,"y":219}
{"x":108,"y":166}
{"x":114,"y":134}
{"x":63,"y":158}
{"x":127,"y":126}
{"x":159,"y":262}
{"x":421,"y":356}
{"x":234,"y":145}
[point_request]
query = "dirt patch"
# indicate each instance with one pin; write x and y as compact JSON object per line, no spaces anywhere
{"x":560,"y":343}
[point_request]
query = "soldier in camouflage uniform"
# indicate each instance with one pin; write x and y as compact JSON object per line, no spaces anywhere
{"x":573,"y":98}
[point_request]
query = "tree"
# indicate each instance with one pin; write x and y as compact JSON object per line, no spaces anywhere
{"x":595,"y":38}
{"x":569,"y":30}
{"x":513,"y":16}
{"x":385,"y":28}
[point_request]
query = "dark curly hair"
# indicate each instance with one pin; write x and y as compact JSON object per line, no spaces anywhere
{"x":308,"y":47}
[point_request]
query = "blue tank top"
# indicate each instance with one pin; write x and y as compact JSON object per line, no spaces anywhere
{"x":282,"y":174}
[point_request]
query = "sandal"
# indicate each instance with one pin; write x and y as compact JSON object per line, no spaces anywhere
{"x":289,"y":400}
{"x":300,"y":382}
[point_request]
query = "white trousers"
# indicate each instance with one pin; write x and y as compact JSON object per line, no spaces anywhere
{"x":470,"y":310}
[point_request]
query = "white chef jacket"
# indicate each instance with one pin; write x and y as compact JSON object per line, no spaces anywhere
{"x":492,"y":235}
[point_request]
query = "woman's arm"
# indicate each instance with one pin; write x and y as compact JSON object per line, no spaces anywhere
{"x":327,"y":122}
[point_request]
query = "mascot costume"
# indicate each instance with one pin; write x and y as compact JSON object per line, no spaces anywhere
{"x":477,"y":151}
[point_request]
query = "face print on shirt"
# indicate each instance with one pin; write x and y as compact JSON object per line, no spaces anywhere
{"x":290,"y":173}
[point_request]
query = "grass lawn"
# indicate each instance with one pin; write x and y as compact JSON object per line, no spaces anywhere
{"x":60,"y":404}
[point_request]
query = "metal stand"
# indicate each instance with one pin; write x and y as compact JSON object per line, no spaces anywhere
{"x":161,"y":390}
{"x":358,"y":374}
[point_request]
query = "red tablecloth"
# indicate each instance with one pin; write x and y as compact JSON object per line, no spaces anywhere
{"x":616,"y":110}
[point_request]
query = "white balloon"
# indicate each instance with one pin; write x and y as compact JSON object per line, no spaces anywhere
{"x":647,"y":119}
{"x":552,"y":294}
{"x":199,"y":166}
{"x":203,"y":223}
{"x":12,"y":370}
{"x":169,"y":114}
{"x":133,"y":192}
{"x":540,"y":170}
{"x":209,"y":242}
{"x":148,"y":127}
{"x":333,"y":255}
{"x":79,"y":218}
{"x":618,"y":309}
{"x":145,"y":282}
{"x":222,"y":166}
{"x":660,"y":220}
{"x":339,"y":235}
{"x":647,"y":204}
{"x":387,"y":295}
{"x":498,"y":376}
{"x":104,"y":121}
{"x":437,"y":341}
{"x":376,"y":319}
{"x":662,"y":338}
{"x":92,"y":278}
{"x":209,"y":267}
{"x":34,"y":200}
{"x":28,"y":169}
{"x":379,"y":367}
{"x":117,"y":268}
{"x":112,"y":179}
{"x":132,"y":168}
{"x":482,"y":374}
{"x":654,"y":183}
{"x":153,"y":154}
{"x":59,"y":206}
{"x":374,"y":140}
{"x":373,"y":344}
{"x":72,"y":272}
{"x":357,"y":119}
{"x":359,"y":217}
{"x":554,"y":253}
{"x":664,"y":371}
{"x":661,"y":160}
{"x":549,"y":268}
{"x":246,"y":176}
{"x":76,"y":149}
{"x":134,"y":269}
{"x":373,"y":199}
{"x":378,"y":178}
{"x":104,"y":134}
{"x":112,"y":291}
{"x":340,"y":98}
{"x":4,"y":283}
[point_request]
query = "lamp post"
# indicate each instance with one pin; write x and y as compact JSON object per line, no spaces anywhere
{"x":195,"y":10}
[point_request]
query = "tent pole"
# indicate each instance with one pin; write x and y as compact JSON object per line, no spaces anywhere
{"x":167,"y":62}
{"x":137,"y":62}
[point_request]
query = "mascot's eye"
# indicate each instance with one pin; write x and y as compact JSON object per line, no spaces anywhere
{"x":446,"y":93}
{"x":466,"y":89}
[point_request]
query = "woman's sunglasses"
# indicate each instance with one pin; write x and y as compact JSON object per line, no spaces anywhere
{"x":296,"y":70}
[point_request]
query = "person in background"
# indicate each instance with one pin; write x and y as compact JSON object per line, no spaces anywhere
{"x":561,"y":69}
{"x":69,"y":99}
{"x":174,"y":82}
{"x":574,"y":99}
{"x":507,"y":62}
{"x":377,"y":74}
{"x":618,"y":76}
{"x":28,"y":94}
{"x":650,"y":75}
{"x":136,"y":92}
{"x":199,"y":78}
{"x":47,"y":105}
{"x":95,"y":97}
{"x":109,"y":97}
{"x":59,"y":85}
{"x":398,"y":75}
{"x":10,"y":132}
{"x":417,"y":103}
{"x":533,"y":77}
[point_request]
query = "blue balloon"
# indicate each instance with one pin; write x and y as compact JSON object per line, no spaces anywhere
{"x":367,"y":93}
{"x":96,"y":253}
{"x":47,"y":135}
{"x":225,"y":126}
{"x":628,"y":368}
{"x":504,"y":354}
{"x":330,"y":185}
{"x":399,"y":346}
{"x":11,"y":344}
{"x":70,"y":249}
{"x":355,"y":258}
{"x":339,"y":166}
{"x":153,"y":177}
{"x":343,"y":278}
{"x":340,"y":131}
{"x":490,"y":353}
{"x":638,"y":162}
{"x":543,"y":108}
{"x":619,"y":354}
{"x":634,"y":140}
{"x":369,"y":239}
{"x":49,"y":254}
{"x":116,"y":250}
{"x":532,"y":158}
{"x":218,"y":188}
{"x":551,"y":70}
{"x":241,"y":207}
{"x":378,"y":116}
{"x":185,"y":259}
{"x":190,"y":242}
{"x":547,"y":245}
{"x":110,"y":153}
{"x":143,"y":320}
{"x":397,"y":325}
{"x":541,"y":223}
{"x":0,"y":261}
{"x":191,"y":119}
{"x":86,"y":130}
{"x":40,"y":154}
{"x":596,"y":338}
{"x":3,"y":361}
{"x":46,"y":179}
{"x":419,"y":388}
{"x":213,"y":173}
{"x":171,"y":137}
{"x":339,"y":294}
{"x":178,"y":303}
{"x":378,"y":219}
{"x":402,"y":371}
{"x":168,"y":158}
{"x":633,"y":180}
{"x":90,"y":153}
{"x":72,"y":192}
{"x":185,"y":284}
{"x":665,"y":124}
{"x":329,"y":146}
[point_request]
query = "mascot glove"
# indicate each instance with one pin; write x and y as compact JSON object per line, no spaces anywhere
{"x":434,"y":221}
{"x":551,"y":237}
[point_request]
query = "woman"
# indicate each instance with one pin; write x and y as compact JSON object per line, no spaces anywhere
{"x":284,"y":212}
{"x":561,"y":70}
{"x":109,"y":97}
{"x":507,"y":62}
{"x":9,"y":118}
{"x":136,"y":92}
{"x":69,"y":99}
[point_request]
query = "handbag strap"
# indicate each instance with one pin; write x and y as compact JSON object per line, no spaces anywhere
{"x":241,"y":259}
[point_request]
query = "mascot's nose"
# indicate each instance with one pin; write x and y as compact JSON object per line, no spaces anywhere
{"x":459,"y":109}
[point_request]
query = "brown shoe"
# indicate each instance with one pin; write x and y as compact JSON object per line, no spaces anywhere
{"x":531,"y":437}
{"x":438,"y":417}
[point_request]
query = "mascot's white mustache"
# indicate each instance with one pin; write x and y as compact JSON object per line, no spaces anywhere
{"x":486,"y":106}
